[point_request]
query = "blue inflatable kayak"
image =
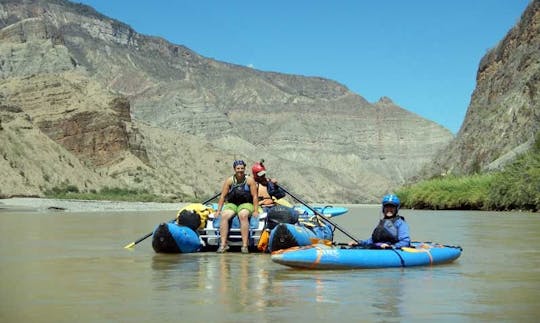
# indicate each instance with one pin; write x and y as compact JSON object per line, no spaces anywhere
{"x":320,"y":256}
{"x":327,"y":210}
{"x":286,"y":235}
{"x":173,"y":238}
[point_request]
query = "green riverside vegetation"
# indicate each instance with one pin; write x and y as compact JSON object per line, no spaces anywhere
{"x":515,"y":187}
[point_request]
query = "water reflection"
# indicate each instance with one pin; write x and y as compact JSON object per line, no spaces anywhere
{"x":389,"y":294}
{"x":72,"y":267}
{"x":233,"y":280}
{"x":386,"y":294}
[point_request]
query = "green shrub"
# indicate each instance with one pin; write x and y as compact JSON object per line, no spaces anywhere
{"x":517,"y":186}
{"x":446,"y":193}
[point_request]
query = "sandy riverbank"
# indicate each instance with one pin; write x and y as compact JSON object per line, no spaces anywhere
{"x":30,"y":204}
{"x":47,"y":205}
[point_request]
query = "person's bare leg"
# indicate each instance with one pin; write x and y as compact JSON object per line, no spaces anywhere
{"x":224,"y":227}
{"x":243,"y":216}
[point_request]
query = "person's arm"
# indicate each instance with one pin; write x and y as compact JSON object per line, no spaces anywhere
{"x":361,"y":242}
{"x":403,"y":235}
{"x":255,"y":195}
{"x":224,"y":190}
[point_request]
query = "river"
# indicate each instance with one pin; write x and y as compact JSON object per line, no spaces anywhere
{"x":72,"y":267}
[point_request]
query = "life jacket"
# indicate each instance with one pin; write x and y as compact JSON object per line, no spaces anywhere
{"x":239,"y":192}
{"x":386,"y":231}
{"x":275,"y":191}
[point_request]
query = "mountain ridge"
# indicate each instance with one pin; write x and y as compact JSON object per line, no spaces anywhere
{"x":109,"y":97}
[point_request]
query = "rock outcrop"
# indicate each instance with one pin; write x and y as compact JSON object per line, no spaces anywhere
{"x":504,"y":114}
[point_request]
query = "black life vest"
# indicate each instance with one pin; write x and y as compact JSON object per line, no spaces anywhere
{"x":274,"y":190}
{"x":386,"y":231}
{"x":239,"y":192}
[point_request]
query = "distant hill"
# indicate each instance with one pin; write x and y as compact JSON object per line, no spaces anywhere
{"x":87,"y":101}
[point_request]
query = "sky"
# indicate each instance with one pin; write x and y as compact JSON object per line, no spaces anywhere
{"x":422,"y":54}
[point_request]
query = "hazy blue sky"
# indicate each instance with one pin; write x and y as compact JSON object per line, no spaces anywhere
{"x":423,"y":54}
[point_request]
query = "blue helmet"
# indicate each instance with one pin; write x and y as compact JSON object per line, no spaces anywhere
{"x":391,"y":199}
{"x":238,"y":162}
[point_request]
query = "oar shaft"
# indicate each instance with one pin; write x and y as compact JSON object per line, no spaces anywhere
{"x":132,"y":244}
{"x":321,"y":216}
{"x":146,"y":236}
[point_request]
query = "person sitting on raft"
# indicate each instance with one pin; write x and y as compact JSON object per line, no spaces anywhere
{"x":267,"y":189}
{"x":240,"y":191}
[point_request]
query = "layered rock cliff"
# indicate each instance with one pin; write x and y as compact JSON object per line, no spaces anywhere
{"x":504,"y":114}
{"x":137,"y":111}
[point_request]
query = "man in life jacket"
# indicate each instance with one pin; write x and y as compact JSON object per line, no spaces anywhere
{"x":267,"y":189}
{"x":240,"y":193}
{"x":270,"y":197}
{"x":392,"y":230}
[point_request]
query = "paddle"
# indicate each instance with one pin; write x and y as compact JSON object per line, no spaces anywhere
{"x":320,"y":216}
{"x":131,"y":245}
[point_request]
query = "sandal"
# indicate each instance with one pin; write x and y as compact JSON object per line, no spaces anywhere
{"x":223,"y":249}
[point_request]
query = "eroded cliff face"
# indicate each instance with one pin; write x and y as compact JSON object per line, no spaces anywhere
{"x":504,"y":114}
{"x":31,"y":162}
{"x":141,"y":112}
{"x":94,"y":131}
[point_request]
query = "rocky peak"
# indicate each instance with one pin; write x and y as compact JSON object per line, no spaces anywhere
{"x":385,"y":101}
